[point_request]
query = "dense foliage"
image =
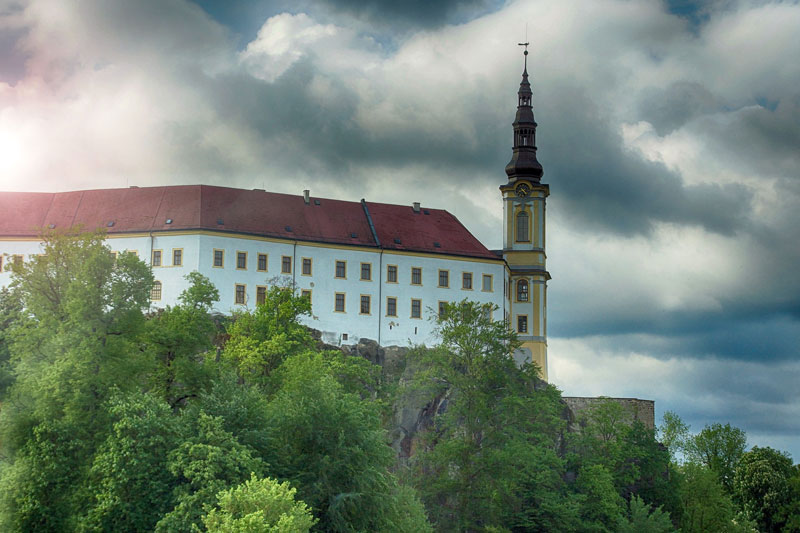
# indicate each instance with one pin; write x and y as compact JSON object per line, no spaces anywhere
{"x":118,"y":418}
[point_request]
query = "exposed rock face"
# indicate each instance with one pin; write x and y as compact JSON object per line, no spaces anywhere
{"x":417,"y":410}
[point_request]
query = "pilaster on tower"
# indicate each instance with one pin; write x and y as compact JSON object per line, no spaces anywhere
{"x":524,"y":199}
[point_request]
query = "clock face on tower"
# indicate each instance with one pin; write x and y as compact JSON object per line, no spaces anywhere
{"x":523,"y":190}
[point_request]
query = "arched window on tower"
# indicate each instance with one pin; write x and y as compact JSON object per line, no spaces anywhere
{"x":522,"y":290}
{"x":523,"y":223}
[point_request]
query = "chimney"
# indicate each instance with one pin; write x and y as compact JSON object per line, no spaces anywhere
{"x":307,"y":196}
{"x":416,"y":207}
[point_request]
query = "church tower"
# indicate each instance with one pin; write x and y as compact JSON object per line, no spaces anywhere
{"x":524,"y":198}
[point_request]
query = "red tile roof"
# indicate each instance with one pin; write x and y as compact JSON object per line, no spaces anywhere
{"x":252,"y":212}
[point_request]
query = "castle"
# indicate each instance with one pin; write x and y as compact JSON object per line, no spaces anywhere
{"x":371,"y":270}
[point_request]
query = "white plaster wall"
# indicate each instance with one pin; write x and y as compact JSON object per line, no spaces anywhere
{"x":198,"y":253}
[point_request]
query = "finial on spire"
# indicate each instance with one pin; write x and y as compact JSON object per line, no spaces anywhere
{"x":525,"y":53}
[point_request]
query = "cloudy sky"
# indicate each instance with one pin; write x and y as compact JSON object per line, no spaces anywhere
{"x":669,"y":131}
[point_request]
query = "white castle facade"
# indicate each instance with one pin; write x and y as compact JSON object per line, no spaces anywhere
{"x":371,"y":270}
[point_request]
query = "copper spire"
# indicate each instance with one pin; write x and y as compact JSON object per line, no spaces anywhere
{"x":523,"y":164}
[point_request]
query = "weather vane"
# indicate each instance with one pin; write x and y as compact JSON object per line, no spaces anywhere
{"x":525,"y":44}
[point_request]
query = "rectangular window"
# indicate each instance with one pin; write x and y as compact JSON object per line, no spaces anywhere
{"x":523,"y":222}
{"x":391,"y":273}
{"x":416,"y":308}
{"x":416,"y":276}
{"x":286,"y":264}
{"x":177,"y":257}
{"x":391,"y":306}
{"x":441,"y":309}
{"x":522,"y":323}
{"x":366,"y":271}
{"x":444,"y":278}
{"x":132,"y":252}
{"x":240,"y":295}
{"x":487,"y":283}
{"x":262,"y":262}
{"x":339,"y":302}
{"x":466,"y":280}
{"x":155,"y":292}
{"x":156,"y":258}
{"x":219,"y":258}
{"x":306,"y":266}
{"x":114,"y":256}
{"x":261,"y":295}
{"x":366,"y":302}
{"x":241,"y":260}
{"x":17,"y":258}
{"x":306,"y":293}
{"x":341,"y":269}
{"x":1,"y":262}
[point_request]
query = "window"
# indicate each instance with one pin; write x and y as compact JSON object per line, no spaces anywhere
{"x":522,"y":323}
{"x":444,"y":278}
{"x":219,"y":258}
{"x":286,"y":264}
{"x":306,"y":293}
{"x":366,"y":302}
{"x":487,"y":283}
{"x":339,"y":302}
{"x":341,"y":269}
{"x":366,"y":271}
{"x":261,"y":295}
{"x":132,"y":252}
{"x":240,"y":295}
{"x":306,"y":266}
{"x":487,"y":312}
{"x":1,"y":263}
{"x":522,"y":227}
{"x":466,"y":280}
{"x":391,"y":273}
{"x":416,"y":276}
{"x":416,"y":308}
{"x":177,"y":257}
{"x":114,"y":256}
{"x":155,"y":292}
{"x":522,"y":290}
{"x":262,"y":263}
{"x":241,"y":260}
{"x":391,"y":306}
{"x":441,"y":309}
{"x":17,"y":260}
{"x":156,"y":258}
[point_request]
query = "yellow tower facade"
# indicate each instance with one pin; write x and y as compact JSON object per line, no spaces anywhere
{"x":524,"y":198}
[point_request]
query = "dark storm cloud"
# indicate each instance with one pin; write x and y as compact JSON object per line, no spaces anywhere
{"x":606,"y":187}
{"x":421,"y":13}
{"x":321,"y":138}
{"x":759,"y":139}
{"x":669,"y":108}
{"x":723,"y":335}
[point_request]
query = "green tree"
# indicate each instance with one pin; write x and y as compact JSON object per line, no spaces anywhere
{"x":642,"y":519}
{"x":129,"y":483}
{"x":707,"y":507}
{"x":602,"y":508}
{"x":761,"y":485}
{"x":329,"y":443}
{"x":208,"y":460}
{"x":261,"y":339}
{"x":74,"y":340}
{"x":719,"y":447}
{"x":10,"y":308}
{"x":480,"y":463}
{"x":259,"y":506}
{"x":674,"y":434}
{"x":179,"y":338}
